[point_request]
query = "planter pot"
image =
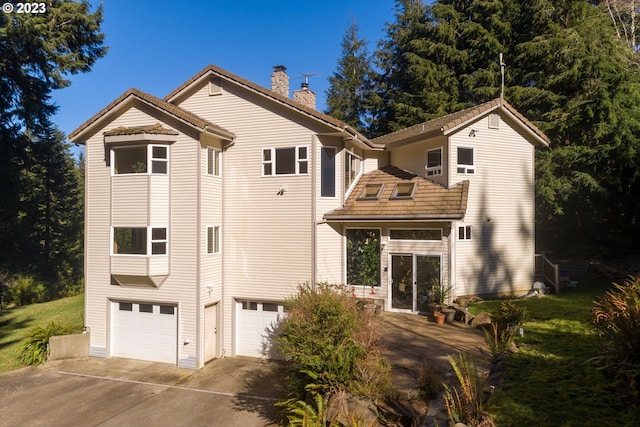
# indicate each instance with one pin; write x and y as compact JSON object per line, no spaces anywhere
{"x":449,"y":315}
{"x":439,"y":318}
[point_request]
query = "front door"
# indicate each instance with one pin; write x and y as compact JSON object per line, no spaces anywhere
{"x":412,"y":277}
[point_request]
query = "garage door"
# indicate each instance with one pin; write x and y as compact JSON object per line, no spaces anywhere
{"x":144,"y":331}
{"x":256,"y":322}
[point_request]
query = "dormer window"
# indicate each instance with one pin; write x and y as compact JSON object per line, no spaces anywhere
{"x":434,"y":162}
{"x":142,"y":159}
{"x":371,"y":192}
{"x":403,"y":190}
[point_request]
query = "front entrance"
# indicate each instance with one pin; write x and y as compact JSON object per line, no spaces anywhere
{"x":210,"y":331}
{"x":412,"y":277}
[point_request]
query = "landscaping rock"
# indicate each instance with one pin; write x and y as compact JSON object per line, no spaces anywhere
{"x":481,"y":319}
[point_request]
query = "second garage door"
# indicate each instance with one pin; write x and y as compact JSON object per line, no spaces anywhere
{"x":256,"y":322}
{"x":144,"y":331}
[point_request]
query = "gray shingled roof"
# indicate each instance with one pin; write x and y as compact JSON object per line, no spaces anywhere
{"x":430,"y":201}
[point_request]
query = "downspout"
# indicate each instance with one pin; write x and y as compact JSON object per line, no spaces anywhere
{"x":314,"y":227}
{"x":222,"y":311}
{"x":199,"y":312}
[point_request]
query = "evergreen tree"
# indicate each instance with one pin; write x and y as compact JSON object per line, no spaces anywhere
{"x":351,"y":96}
{"x":39,"y":196}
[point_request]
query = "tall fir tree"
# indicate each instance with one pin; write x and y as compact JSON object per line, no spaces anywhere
{"x":351,"y":96}
{"x":38,"y":53}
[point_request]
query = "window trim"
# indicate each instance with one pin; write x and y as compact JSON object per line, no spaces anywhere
{"x":297,"y":159}
{"x":465,"y":169}
{"x":149,"y":158}
{"x":467,"y":233}
{"x":432,"y":170}
{"x":349,"y":188}
{"x":148,"y":244}
{"x":216,"y":164}
{"x":214,"y":246}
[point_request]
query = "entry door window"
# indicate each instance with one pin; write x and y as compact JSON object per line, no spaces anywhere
{"x":412,"y":278}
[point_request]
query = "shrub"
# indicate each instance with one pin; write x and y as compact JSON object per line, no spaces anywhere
{"x":26,"y":290}
{"x":616,"y":316}
{"x":34,"y":348}
{"x":506,"y":320}
{"x":465,"y":401}
{"x":429,"y":379}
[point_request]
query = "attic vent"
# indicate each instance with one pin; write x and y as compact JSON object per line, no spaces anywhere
{"x":494,"y":121}
{"x":215,"y":87}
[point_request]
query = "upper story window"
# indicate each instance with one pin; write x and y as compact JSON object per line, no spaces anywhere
{"x":142,"y":159}
{"x":466,"y":160}
{"x":464,"y":232}
{"x":213,"y":239}
{"x":213,"y":162}
{"x":434,"y":162}
{"x":139,"y":241}
{"x":352,"y":169}
{"x":327,"y":172}
{"x":285,"y":161}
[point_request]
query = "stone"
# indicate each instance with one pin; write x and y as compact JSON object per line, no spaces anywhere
{"x":481,"y":319}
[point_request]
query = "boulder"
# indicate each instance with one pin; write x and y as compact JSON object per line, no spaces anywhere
{"x":481,"y":319}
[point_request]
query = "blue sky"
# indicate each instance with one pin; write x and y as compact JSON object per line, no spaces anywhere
{"x":156,"y":45}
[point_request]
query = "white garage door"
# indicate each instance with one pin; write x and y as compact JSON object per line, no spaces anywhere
{"x":144,"y":331}
{"x":256,"y":323}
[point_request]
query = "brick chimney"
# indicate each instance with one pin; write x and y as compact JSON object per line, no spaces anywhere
{"x":280,"y":80}
{"x":305,"y":96}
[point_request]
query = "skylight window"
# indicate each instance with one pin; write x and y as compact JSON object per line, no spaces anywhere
{"x":403,"y":190}
{"x":371,"y":192}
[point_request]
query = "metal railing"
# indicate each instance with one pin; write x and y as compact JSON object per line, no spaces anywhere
{"x":548,"y":270}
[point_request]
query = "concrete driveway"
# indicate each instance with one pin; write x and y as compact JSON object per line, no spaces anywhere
{"x":120,"y":392}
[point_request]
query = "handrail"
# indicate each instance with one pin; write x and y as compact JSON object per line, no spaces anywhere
{"x":550,"y":271}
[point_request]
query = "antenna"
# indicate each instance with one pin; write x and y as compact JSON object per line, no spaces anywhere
{"x":502,"y":65}
{"x":306,"y":78}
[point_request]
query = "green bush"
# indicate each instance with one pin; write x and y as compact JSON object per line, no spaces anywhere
{"x":506,"y":320}
{"x":25,"y":290}
{"x":34,"y":348}
{"x":616,"y":316}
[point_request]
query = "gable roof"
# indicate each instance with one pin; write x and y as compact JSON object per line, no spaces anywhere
{"x":450,"y":123}
{"x":430,"y":201}
{"x":269,"y":94}
{"x":180,"y":114}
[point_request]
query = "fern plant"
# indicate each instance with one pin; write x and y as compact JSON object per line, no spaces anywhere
{"x":34,"y":348}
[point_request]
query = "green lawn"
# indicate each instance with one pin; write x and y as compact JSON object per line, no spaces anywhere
{"x":15,"y":322}
{"x":550,"y":381}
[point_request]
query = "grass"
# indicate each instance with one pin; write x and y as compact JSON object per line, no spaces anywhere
{"x":15,"y":322}
{"x":550,"y":381}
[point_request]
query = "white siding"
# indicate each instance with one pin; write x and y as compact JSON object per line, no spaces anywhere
{"x":499,"y":258}
{"x":413,"y":158}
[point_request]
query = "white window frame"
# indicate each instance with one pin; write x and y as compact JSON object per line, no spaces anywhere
{"x":214,"y":165}
{"x":467,"y":232}
{"x":299,"y":160}
{"x":432,"y":170}
{"x":335,"y":170}
{"x":416,"y":240}
{"x":348,"y":171}
{"x":148,"y":244}
{"x":463,"y":168}
{"x":213,"y":245}
{"x":149,"y":159}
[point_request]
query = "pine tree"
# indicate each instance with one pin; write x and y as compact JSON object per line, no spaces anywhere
{"x":39,"y":196}
{"x":351,"y":96}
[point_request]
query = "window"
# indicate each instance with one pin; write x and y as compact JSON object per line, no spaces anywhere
{"x":426,"y":234}
{"x":125,"y":306}
{"x":352,"y":167}
{"x":130,"y":241}
{"x":249,"y":305}
{"x":371,"y":192}
{"x":363,"y":257}
{"x":167,"y":309}
{"x":465,"y":160}
{"x":145,"y":308}
{"x":158,"y":241}
{"x":403,"y":190}
{"x":140,"y":159}
{"x":434,"y":162}
{"x":285,"y":161}
{"x":270,"y":306}
{"x":133,"y":241}
{"x":213,"y":162}
{"x":213,"y":239}
{"x":464,"y":232}
{"x":327,"y":172}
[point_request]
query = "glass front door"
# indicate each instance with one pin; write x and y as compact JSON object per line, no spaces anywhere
{"x":412,"y":278}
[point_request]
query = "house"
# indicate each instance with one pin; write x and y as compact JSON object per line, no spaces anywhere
{"x":205,"y":209}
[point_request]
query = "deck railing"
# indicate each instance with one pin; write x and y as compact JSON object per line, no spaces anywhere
{"x":548,"y":270}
